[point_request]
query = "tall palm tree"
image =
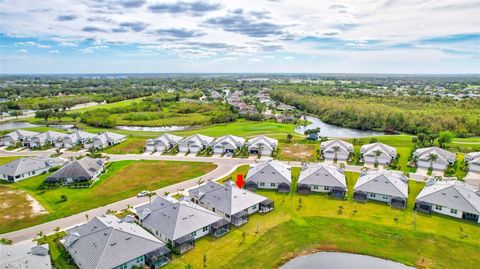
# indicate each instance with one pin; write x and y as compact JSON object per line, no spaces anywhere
{"x":150,"y":195}
{"x":289,"y":137}
{"x":336,"y":149}
{"x":432,"y":157}
{"x":377,"y":154}
{"x":200,"y":181}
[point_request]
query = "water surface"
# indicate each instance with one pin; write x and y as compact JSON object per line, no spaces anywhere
{"x":152,"y":129}
{"x":15,"y":125}
{"x":331,"y":130}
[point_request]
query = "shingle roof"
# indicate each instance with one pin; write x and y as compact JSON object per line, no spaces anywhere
{"x":84,"y":168}
{"x":48,"y":135}
{"x":15,"y":135}
{"x":453,"y":194}
{"x":226,"y":198}
{"x":383,"y":182}
{"x":262,"y":139}
{"x":79,"y":135}
{"x":197,"y":139}
{"x":336,"y":142}
{"x":384,"y":148}
{"x":473,"y":157}
{"x":28,"y":164}
{"x":324,"y":175}
{"x":234,"y":141}
{"x":169,"y":138}
{"x":283,"y":170}
{"x":176,"y":219}
{"x":106,"y":242}
{"x":24,"y":255}
{"x":447,"y":156}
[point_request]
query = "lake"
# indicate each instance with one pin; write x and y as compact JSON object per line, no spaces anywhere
{"x":337,"y":260}
{"x":331,"y":130}
{"x":152,"y":129}
{"x":15,"y":125}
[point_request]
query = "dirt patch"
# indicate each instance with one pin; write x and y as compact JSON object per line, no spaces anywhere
{"x":300,"y":152}
{"x":17,"y":204}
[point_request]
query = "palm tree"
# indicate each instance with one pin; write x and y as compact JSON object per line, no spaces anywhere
{"x":432,"y":157}
{"x":86,"y":216}
{"x":150,"y":195}
{"x":200,"y":181}
{"x":58,"y":152}
{"x":377,"y":154}
{"x":336,"y":149}
{"x":289,"y":137}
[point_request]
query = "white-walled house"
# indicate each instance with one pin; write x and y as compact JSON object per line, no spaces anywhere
{"x":384,"y":186}
{"x":452,"y":198}
{"x":272,"y":175}
{"x":106,"y":139}
{"x":434,"y":157}
{"x":162,"y":143}
{"x":229,"y":201}
{"x":378,"y":153}
{"x":48,"y":137}
{"x":81,"y":170}
{"x":178,"y":223}
{"x":17,"y":136}
{"x":262,"y":145}
{"x":194,"y":143}
{"x":28,"y":167}
{"x":322,"y":178}
{"x":227,"y":144}
{"x":336,"y":149}
{"x":473,"y":161}
{"x":73,"y":139}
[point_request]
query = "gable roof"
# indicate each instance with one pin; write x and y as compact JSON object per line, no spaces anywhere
{"x":326,"y":145}
{"x":384,"y":148}
{"x":84,"y":168}
{"x":226,"y":198}
{"x":176,"y":219}
{"x":28,"y":164}
{"x":25,"y":254}
{"x":383,"y":182}
{"x":79,"y":135}
{"x":168,"y":138}
{"x":48,"y":135}
{"x":282,"y":169}
{"x":445,"y":155}
{"x":262,"y":139}
{"x":106,"y":242}
{"x":197,"y":139}
{"x":17,"y":134}
{"x":453,"y":194}
{"x":473,"y":157}
{"x":322,"y":174}
{"x":234,"y":141}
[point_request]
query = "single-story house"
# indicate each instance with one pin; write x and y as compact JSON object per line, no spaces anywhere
{"x":322,"y":178}
{"x":452,"y":198}
{"x":179,"y":223}
{"x":162,"y":143}
{"x":434,"y":157}
{"x":48,"y":137}
{"x":384,"y":186}
{"x":27,"y":167}
{"x":227,"y":144}
{"x":336,"y":150}
{"x":284,"y":118}
{"x":81,"y":170}
{"x":26,"y":254}
{"x":73,"y":139}
{"x":229,"y":201}
{"x":262,"y":145}
{"x":273,"y":175}
{"x":106,"y":139}
{"x":17,"y":136}
{"x":194,"y":143}
{"x":284,"y":107}
{"x":378,"y":153}
{"x":473,"y":161}
{"x":107,"y":242}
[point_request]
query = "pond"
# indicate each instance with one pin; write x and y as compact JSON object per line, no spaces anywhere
{"x":337,"y":260}
{"x":15,"y":125}
{"x":331,"y":130}
{"x":152,"y":129}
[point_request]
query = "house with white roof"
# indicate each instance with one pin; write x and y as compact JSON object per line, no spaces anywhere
{"x":452,"y":198}
{"x":81,"y":170}
{"x":17,"y":136}
{"x":322,"y":178}
{"x":194,"y":143}
{"x":162,"y":143}
{"x":473,"y":161}
{"x":434,"y":157}
{"x":107,"y":242}
{"x":227,"y":144}
{"x":179,"y":223}
{"x":271,"y":175}
{"x":73,"y":139}
{"x":106,"y":139}
{"x":229,"y":201}
{"x":26,"y":254}
{"x":28,"y":167}
{"x":384,"y":186}
{"x":378,"y":153}
{"x":336,"y":150}
{"x":48,"y":137}
{"x":262,"y":145}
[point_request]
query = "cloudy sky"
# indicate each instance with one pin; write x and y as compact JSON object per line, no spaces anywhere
{"x":137,"y":36}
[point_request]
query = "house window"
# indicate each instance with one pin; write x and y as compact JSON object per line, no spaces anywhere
{"x":254,"y":207}
{"x":453,"y":211}
{"x":262,"y":184}
{"x":315,"y":187}
{"x":438,"y":207}
{"x":272,"y":184}
{"x":194,"y":233}
{"x":326,"y":188}
{"x":372,"y":194}
{"x":205,"y":229}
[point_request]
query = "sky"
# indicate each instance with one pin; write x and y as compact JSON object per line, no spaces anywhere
{"x":254,"y":36}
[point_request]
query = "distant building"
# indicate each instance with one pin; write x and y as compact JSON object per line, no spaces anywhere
{"x":262,"y":145}
{"x":27,"y":167}
{"x":194,"y":143}
{"x":336,"y":150}
{"x":24,"y":255}
{"x":227,"y":144}
{"x":322,"y":178}
{"x":17,"y":136}
{"x":162,"y":143}
{"x":106,"y":139}
{"x":48,"y":137}
{"x":73,"y":139}
{"x":285,"y":107}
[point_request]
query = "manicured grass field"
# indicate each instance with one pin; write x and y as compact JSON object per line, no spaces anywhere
{"x":122,"y":180}
{"x":4,"y":160}
{"x":321,"y":223}
{"x":133,"y":145}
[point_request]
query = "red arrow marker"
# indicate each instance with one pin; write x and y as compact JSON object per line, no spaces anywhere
{"x":240,"y":182}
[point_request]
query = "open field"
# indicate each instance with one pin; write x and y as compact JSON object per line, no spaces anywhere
{"x":122,"y":180}
{"x":299,"y":152}
{"x":18,"y":205}
{"x":322,"y":223}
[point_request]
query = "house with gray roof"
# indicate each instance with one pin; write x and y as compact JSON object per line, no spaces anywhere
{"x":322,"y":178}
{"x":81,"y":170}
{"x":73,"y":139}
{"x":48,"y":137}
{"x":384,"y":186}
{"x":378,"y":153}
{"x":162,"y":143}
{"x":227,"y":144}
{"x":434,"y":157}
{"x":105,"y":139}
{"x":271,"y":175}
{"x":473,"y":161}
{"x":194,"y":143}
{"x":452,"y":198}
{"x":107,"y":242}
{"x":25,"y":255}
{"x":179,"y":223}
{"x":336,"y":150}
{"x":17,"y":136}
{"x":27,"y":167}
{"x":262,"y":145}
{"x":229,"y":201}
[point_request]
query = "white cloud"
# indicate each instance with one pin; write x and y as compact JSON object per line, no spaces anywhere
{"x":255,"y":60}
{"x":22,"y":51}
{"x":54,"y":51}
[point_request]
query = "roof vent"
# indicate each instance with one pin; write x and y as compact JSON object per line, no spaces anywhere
{"x":113,"y":244}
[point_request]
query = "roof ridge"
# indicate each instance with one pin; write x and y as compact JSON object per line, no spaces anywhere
{"x":468,"y":201}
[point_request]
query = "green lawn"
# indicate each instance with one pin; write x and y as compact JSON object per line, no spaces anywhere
{"x":122,"y":180}
{"x":322,"y":223}
{"x":4,"y":160}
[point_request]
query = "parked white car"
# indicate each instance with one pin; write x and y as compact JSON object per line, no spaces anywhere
{"x":143,"y":194}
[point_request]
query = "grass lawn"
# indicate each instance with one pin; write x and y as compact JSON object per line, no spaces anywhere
{"x":241,"y":170}
{"x":322,"y":223}
{"x":123,"y":179}
{"x":133,"y":145}
{"x":4,"y":160}
{"x":298,"y":152}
